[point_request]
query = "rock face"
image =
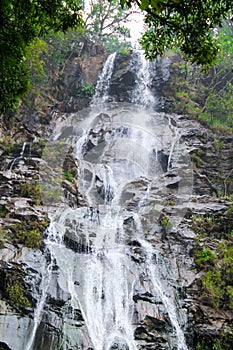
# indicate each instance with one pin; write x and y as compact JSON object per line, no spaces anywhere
{"x":36,"y":302}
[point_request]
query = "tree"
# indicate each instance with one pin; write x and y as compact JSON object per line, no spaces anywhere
{"x":184,"y":24}
{"x":105,"y":22}
{"x":21,"y":22}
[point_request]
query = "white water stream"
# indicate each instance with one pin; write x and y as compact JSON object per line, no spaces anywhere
{"x":117,"y":153}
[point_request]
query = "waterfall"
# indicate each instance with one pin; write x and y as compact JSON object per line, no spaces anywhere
{"x":103,"y":83}
{"x":121,"y":177}
{"x":142,"y":95}
{"x":22,"y":154}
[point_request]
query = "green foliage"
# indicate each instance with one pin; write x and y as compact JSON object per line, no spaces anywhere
{"x":21,"y":23}
{"x":213,"y":286}
{"x":164,"y":220}
{"x":3,"y":211}
{"x":187,"y":25}
{"x":218,"y":144}
{"x":31,"y":190}
{"x":87,"y":91}
{"x":124,"y":51}
{"x":68,"y":175}
{"x":222,"y":342}
{"x":28,"y":233}
{"x":219,"y":109}
{"x":215,"y":258}
{"x":230,"y":294}
{"x":217,"y":281}
{"x":50,"y":196}
{"x":2,"y":239}
{"x":16,"y":295}
{"x":207,"y":97}
{"x":105,"y":23}
{"x":203,"y":225}
{"x":35,"y":64}
{"x":14,"y":82}
{"x":225,"y":39}
{"x":205,"y":256}
{"x":113,"y":43}
{"x":16,"y":291}
{"x":59,"y":47}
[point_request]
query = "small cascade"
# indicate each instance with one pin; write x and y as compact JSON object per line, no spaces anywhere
{"x":25,"y":153}
{"x":142,"y":95}
{"x":165,"y":293}
{"x":108,"y":304}
{"x":44,"y":286}
{"x":105,"y":183}
{"x":21,"y":156}
{"x":102,"y":87}
{"x":175,"y":149}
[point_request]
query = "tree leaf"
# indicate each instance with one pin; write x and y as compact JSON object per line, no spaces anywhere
{"x":144,"y":4}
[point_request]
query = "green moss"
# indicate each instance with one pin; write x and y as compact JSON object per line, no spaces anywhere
{"x":50,"y":196}
{"x":197,"y":159}
{"x":229,"y":212}
{"x":213,"y":286}
{"x":164,"y":220}
{"x":2,"y":239}
{"x":223,"y":342}
{"x":16,"y":294}
{"x":230,"y":296}
{"x":31,"y":190}
{"x":9,"y":145}
{"x":217,"y":281}
{"x":28,"y":233}
{"x":3,"y":211}
{"x":68,"y":175}
{"x":205,"y":256}
{"x":87,"y":90}
{"x":203,"y":225}
{"x":218,"y":144}
{"x":225,"y":249}
{"x":15,"y":289}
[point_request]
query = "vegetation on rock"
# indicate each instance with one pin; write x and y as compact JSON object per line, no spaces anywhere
{"x":28,"y":233}
{"x":15,"y":289}
{"x":214,"y":256}
{"x":206,"y":96}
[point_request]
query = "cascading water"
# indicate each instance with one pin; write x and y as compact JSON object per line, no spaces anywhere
{"x":24,"y":153}
{"x":98,"y":266}
{"x":165,"y":293}
{"x":102,"y":88}
{"x":142,"y":95}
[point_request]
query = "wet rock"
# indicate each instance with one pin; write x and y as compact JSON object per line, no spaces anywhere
{"x":155,"y":323}
{"x":176,"y":244}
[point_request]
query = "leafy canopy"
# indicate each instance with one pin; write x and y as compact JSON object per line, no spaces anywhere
{"x":184,"y":24}
{"x":20,"y":23}
{"x":105,"y":22}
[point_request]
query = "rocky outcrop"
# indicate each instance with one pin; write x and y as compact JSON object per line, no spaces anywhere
{"x":199,"y":248}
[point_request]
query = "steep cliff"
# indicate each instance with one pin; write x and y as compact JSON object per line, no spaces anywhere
{"x":35,"y":296}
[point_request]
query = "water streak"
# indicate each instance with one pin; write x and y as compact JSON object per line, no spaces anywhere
{"x":103,"y":84}
{"x":168,"y":300}
{"x":21,"y":155}
{"x":142,"y":94}
{"x":44,"y":286}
